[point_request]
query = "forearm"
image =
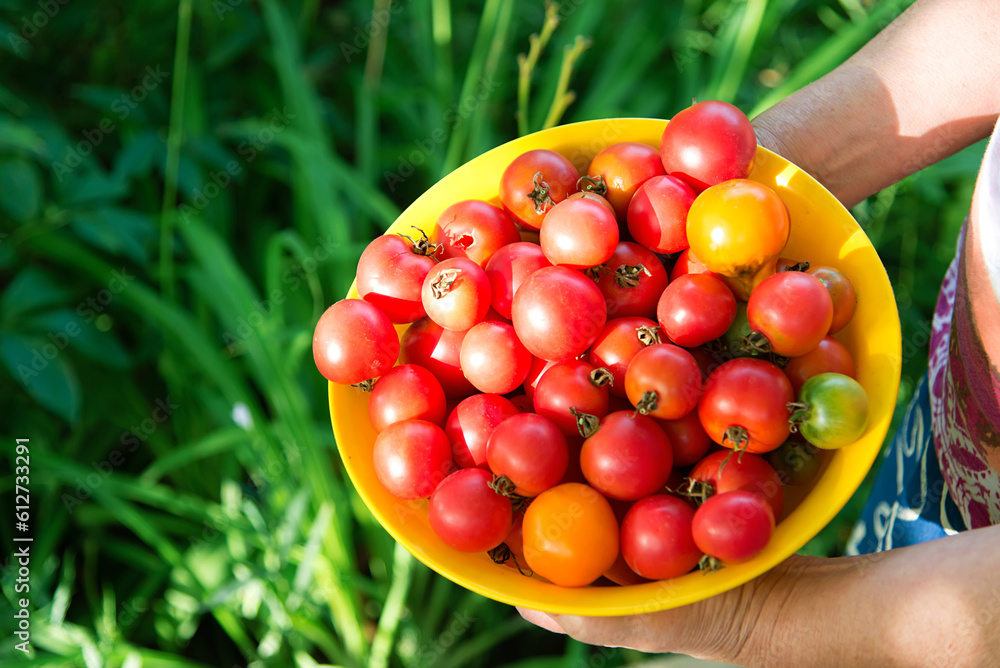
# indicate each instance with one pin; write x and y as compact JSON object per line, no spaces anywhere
{"x":925,"y":87}
{"x":932,"y":604}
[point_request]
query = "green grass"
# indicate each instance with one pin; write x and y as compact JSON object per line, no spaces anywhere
{"x":168,"y":242}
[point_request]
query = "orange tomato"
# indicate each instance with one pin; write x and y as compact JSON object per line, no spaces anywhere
{"x":737,"y":229}
{"x":570,"y":535}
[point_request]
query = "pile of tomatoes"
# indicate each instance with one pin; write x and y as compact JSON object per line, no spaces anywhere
{"x":612,"y":373}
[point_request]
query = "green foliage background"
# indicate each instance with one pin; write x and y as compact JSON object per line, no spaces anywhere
{"x":185,"y":186}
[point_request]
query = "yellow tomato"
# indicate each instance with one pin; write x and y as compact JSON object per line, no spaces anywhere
{"x":570,"y":535}
{"x":738,"y":229}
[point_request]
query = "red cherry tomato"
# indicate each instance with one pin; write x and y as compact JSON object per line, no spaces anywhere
{"x":476,"y":230}
{"x":467,"y":515}
{"x":508,"y":268}
{"x":792,"y":310}
{"x":632,"y":280}
{"x":411,"y":457}
{"x":664,"y":381}
{"x":568,"y":386}
{"x":427,"y":344}
{"x":621,"y":574}
{"x":657,"y":540}
{"x":829,"y":356}
{"x":471,"y":423}
{"x":557,"y":313}
{"x":696,"y":309}
{"x":354,"y":341}
{"x":687,"y":263}
{"x":657,"y":215}
{"x":628,"y":457}
{"x":493,"y":359}
{"x":841,"y":294}
{"x":456,"y":293}
{"x":708,"y":143}
{"x":406,"y":392}
{"x":750,"y":473}
{"x":390,"y":273}
{"x":579,"y":233}
{"x":617,"y":345}
{"x":688,"y":439}
{"x":745,"y":405}
{"x":570,"y":535}
{"x":530,"y":451}
{"x":734,"y":526}
{"x":534,"y":182}
{"x":624,"y":167}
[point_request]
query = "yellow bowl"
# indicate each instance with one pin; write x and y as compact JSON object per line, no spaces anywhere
{"x":823,"y":232}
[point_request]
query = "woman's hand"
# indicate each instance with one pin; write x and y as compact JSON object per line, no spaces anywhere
{"x":736,"y":626}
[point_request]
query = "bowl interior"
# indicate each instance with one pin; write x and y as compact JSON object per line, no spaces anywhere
{"x":823,"y":232}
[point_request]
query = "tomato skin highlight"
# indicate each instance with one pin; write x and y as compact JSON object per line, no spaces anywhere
{"x":411,"y":458}
{"x":625,"y":166}
{"x":748,"y":393}
{"x":733,"y":526}
{"x":628,"y":457}
{"x":474,"y":229}
{"x":470,"y":425}
{"x":579,"y":233}
{"x":493,"y":359}
{"x":793,"y":310}
{"x":750,"y":473}
{"x":657,"y":214}
{"x":509,"y":267}
{"x":696,"y":309}
{"x":615,"y":347}
{"x":529,"y":450}
{"x":830,"y":356}
{"x":354,"y":341}
{"x":467,"y":515}
{"x":557,"y":313}
{"x":570,"y":535}
{"x":517,"y":183}
{"x":406,"y":392}
{"x":390,"y":275}
{"x":836,"y":410}
{"x":708,"y":143}
{"x":671,"y":373}
{"x":427,"y":344}
{"x":656,"y":537}
{"x":632,"y":292}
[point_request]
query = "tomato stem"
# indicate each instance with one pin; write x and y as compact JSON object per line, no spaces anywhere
{"x":755,"y":343}
{"x":504,"y":486}
{"x":627,"y":276}
{"x":594,"y":273}
{"x":709,"y":564}
{"x":699,"y":491}
{"x":592,"y":184}
{"x":740,"y":438}
{"x":540,"y":194}
{"x":365,"y":385}
{"x":647,"y":403}
{"x":501,"y":554}
{"x":798,"y":266}
{"x":648,"y":335}
{"x":423,"y":245}
{"x":601,"y":377}
{"x":800,"y":412}
{"x":445,"y":282}
{"x":586,"y":423}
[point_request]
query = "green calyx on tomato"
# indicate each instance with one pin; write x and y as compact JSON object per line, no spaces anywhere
{"x":592,"y":184}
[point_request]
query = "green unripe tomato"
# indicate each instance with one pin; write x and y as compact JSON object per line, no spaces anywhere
{"x":831,"y":411}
